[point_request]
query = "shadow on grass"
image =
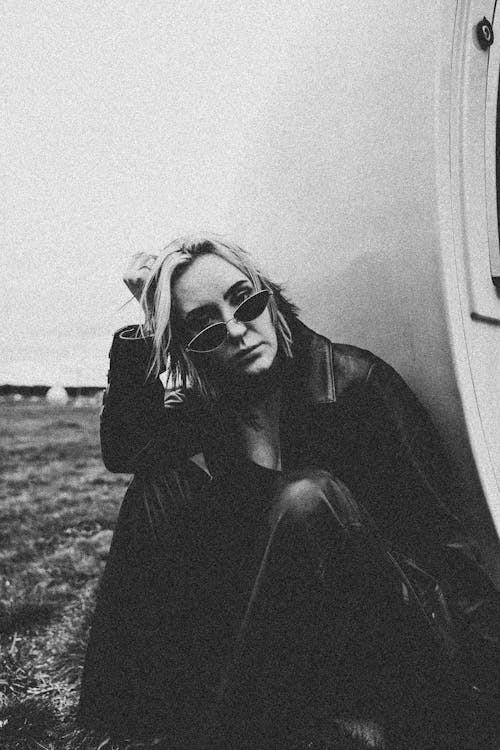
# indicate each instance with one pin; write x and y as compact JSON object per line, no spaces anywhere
{"x":28,"y":719}
{"x":25,"y":616}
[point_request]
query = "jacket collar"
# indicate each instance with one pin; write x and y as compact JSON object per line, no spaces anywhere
{"x":309,"y":380}
{"x":313,"y":362}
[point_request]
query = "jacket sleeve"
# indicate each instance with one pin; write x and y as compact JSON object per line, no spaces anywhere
{"x":409,"y":452}
{"x":134,"y":419}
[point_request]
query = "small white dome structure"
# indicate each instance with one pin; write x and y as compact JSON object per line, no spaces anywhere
{"x":57,"y":395}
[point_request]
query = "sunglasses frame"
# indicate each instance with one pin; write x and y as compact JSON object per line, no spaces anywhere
{"x":225,"y":323}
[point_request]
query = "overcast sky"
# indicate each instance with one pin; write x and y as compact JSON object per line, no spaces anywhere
{"x":127,"y":123}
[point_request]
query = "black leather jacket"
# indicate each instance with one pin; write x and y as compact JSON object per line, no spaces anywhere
{"x":349,"y":412}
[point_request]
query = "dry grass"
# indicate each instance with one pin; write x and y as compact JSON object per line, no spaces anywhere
{"x":58,"y":506}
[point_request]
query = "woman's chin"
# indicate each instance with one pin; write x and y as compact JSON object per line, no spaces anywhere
{"x":257,"y":366}
{"x":254,"y":369}
{"x":250,"y":376}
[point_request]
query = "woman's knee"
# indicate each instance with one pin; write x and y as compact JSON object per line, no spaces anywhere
{"x":315,"y":494}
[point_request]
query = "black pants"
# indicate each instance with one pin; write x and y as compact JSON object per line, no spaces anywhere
{"x":305,"y":632}
{"x":331,"y":636}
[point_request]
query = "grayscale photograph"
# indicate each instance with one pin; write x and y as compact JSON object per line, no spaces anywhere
{"x":250,"y":375}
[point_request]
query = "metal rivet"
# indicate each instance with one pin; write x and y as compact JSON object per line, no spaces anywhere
{"x":485,"y":35}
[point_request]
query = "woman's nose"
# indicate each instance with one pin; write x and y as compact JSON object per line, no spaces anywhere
{"x":235,"y":329}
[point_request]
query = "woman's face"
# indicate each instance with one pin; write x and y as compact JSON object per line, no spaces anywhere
{"x":209,"y":291}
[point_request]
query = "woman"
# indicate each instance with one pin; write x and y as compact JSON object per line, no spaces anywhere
{"x":285,"y":571}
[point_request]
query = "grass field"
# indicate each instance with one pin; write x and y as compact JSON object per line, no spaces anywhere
{"x":58,"y":506}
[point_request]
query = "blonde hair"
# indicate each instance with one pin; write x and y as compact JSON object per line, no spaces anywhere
{"x":156,"y":300}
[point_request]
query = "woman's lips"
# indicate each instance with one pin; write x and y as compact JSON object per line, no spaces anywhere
{"x":246,"y":353}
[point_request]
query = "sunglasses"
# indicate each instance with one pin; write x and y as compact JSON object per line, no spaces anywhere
{"x":215,"y":334}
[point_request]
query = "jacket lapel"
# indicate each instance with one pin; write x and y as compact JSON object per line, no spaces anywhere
{"x":313,"y":363}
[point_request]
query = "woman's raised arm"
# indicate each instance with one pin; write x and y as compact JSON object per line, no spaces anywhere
{"x":134,"y":418}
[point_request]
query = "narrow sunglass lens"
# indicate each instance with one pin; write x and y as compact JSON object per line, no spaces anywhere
{"x":252,"y":307}
{"x":213,"y":336}
{"x":209,"y":339}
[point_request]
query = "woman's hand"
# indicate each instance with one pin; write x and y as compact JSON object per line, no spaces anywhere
{"x":137,"y":272}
